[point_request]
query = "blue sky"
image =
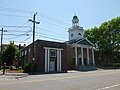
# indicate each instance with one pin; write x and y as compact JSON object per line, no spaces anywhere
{"x":54,"y":16}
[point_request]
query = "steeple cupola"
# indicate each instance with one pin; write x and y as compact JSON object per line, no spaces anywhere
{"x":75,"y":21}
{"x":75,"y":32}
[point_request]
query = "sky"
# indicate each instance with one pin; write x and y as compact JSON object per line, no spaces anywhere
{"x":55,"y":17}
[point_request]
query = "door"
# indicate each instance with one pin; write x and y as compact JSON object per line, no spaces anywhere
{"x":53,"y":59}
{"x":52,"y":66}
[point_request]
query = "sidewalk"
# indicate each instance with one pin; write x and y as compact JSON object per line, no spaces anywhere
{"x":11,"y":75}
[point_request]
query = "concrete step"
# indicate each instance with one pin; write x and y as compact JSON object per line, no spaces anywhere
{"x":86,"y":68}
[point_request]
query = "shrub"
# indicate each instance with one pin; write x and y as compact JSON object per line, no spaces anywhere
{"x":116,"y":64}
{"x":27,"y":68}
{"x":13,"y":67}
{"x":7,"y":67}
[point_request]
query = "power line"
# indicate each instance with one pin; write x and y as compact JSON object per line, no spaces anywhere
{"x":15,"y":26}
{"x":18,"y":36}
{"x":30,"y":12}
{"x":24,"y":25}
{"x":25,"y":40}
{"x":54,"y":20}
{"x":44,"y":16}
{"x":15,"y":10}
{"x":19,"y":30}
{"x":26,"y":11}
{"x":53,"y":32}
{"x":20,"y":42}
{"x":50,"y":38}
{"x":48,"y":35}
{"x":10,"y":30}
{"x":18,"y":27}
{"x":56,"y":25}
{"x":13,"y":15}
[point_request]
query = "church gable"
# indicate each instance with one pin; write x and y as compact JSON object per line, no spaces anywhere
{"x":85,"y":42}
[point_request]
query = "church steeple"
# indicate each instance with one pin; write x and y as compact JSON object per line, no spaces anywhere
{"x":75,"y":21}
{"x":75,"y":32}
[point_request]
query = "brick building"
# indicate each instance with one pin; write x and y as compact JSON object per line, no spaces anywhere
{"x":49,"y":56}
{"x":77,"y":53}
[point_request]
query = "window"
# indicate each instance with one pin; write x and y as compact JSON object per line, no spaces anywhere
{"x":25,"y":52}
{"x":72,"y":35}
{"x":52,"y":53}
{"x":73,"y":61}
{"x":29,"y":50}
{"x":79,"y":34}
{"x":22,"y":53}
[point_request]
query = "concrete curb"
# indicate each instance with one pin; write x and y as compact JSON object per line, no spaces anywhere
{"x":12,"y":75}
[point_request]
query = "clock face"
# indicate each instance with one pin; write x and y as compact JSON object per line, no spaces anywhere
{"x":72,"y":35}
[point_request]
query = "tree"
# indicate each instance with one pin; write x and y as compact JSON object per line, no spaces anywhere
{"x":106,"y":40}
{"x":10,"y":53}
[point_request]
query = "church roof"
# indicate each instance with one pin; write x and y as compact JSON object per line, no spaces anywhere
{"x":82,"y":41}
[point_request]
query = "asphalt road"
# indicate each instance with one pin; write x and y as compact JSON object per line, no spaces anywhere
{"x":92,"y":80}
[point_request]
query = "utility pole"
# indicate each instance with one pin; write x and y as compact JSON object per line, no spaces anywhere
{"x":33,"y":47}
{"x":2,"y":48}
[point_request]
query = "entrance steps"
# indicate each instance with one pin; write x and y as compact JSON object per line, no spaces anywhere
{"x":87,"y":68}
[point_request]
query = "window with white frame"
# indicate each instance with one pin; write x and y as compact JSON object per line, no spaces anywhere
{"x":25,"y":52}
{"x":52,"y":53}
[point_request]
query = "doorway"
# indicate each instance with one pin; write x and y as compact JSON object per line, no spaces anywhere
{"x":52,"y":64}
{"x":53,"y":60}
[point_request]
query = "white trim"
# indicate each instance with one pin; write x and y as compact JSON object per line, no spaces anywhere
{"x":46,"y":60}
{"x":76,"y":55}
{"x":82,"y":55}
{"x":53,"y":53}
{"x":52,"y":48}
{"x":85,"y":46}
{"x":93,"y":56}
{"x":80,"y":40}
{"x":89,"y":41}
{"x":81,"y":45}
{"x":88,"y":60}
{"x":60,"y":60}
{"x":86,"y":40}
{"x":73,"y":45}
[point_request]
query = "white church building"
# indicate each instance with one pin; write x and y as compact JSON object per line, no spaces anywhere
{"x":80,"y":51}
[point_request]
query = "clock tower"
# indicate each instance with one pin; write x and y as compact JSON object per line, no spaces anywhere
{"x":75,"y":32}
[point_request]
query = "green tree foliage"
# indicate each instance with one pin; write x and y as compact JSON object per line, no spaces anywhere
{"x":106,"y":40}
{"x":10,"y":53}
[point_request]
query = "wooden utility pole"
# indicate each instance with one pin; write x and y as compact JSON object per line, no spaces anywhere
{"x":2,"y":49}
{"x":33,"y":47}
